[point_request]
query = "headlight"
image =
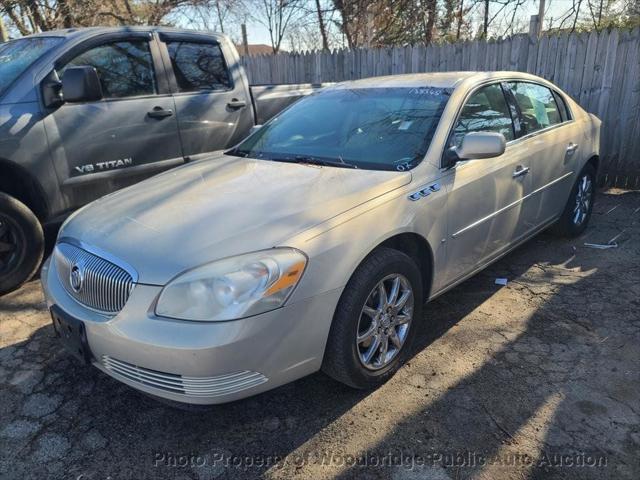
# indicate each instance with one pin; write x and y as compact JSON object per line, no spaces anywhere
{"x":234,"y":287}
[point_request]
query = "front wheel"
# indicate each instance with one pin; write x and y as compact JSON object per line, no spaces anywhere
{"x":577,"y":211}
{"x":21,"y":243}
{"x":375,"y":321}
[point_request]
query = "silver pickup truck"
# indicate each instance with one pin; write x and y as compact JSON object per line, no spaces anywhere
{"x":84,"y":112}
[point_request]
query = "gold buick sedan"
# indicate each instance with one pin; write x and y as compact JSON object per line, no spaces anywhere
{"x":313,"y":244}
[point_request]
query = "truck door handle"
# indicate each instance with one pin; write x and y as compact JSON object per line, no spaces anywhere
{"x":572,"y":148}
{"x":235,"y":103}
{"x":159,"y":112}
{"x":520,"y":171}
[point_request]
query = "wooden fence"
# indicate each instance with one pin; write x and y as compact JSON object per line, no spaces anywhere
{"x":599,"y":70}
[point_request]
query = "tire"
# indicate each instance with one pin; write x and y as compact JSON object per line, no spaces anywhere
{"x":567,"y":225}
{"x":21,"y":243}
{"x":343,"y":358}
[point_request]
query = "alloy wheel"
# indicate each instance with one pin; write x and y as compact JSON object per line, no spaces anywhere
{"x":583,"y":200}
{"x":9,"y":251}
{"x":384,"y":321}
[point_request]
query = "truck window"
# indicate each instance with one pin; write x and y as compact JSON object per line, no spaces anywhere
{"x":198,"y":66}
{"x":125,"y":68}
{"x":18,"y":55}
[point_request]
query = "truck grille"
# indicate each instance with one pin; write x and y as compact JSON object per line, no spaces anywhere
{"x":91,"y":280}
{"x":191,"y":386}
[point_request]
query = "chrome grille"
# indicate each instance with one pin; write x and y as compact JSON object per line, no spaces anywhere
{"x":103,"y":286}
{"x":192,"y":386}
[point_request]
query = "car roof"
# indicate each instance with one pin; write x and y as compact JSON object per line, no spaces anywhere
{"x":434,"y":79}
{"x":92,"y":31}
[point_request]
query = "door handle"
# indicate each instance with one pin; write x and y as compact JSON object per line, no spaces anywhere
{"x":159,"y":112}
{"x":572,"y":148}
{"x":235,"y":103}
{"x":520,"y":171}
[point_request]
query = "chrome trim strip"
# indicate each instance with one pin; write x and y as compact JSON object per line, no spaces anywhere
{"x":511,"y":205}
{"x":185,"y":385}
{"x":519,"y":241}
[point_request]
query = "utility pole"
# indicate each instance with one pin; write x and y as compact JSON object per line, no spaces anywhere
{"x":4,"y":36}
{"x":540,"y":17}
{"x":245,"y":43}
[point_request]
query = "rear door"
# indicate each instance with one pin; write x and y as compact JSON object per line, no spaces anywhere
{"x":486,"y":208}
{"x":130,"y":134}
{"x":552,"y":144}
{"x":212,"y":100}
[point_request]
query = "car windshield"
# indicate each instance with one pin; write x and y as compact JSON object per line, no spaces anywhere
{"x":17,"y":55}
{"x":370,"y":128}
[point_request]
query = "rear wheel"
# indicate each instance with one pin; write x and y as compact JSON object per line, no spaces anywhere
{"x":21,"y":243}
{"x":577,"y":211}
{"x":375,"y":321}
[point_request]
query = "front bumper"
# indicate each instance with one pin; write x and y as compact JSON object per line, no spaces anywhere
{"x":200,"y":362}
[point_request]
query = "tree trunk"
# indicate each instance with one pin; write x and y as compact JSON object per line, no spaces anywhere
{"x":220,"y":22}
{"x":485,"y":23}
{"x":67,"y":19}
{"x":460,"y":19}
{"x":431,"y":20}
{"x":323,"y":30}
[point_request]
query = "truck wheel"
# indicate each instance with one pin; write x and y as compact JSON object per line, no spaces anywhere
{"x":21,"y":243}
{"x":375,"y":321}
{"x":577,"y":211}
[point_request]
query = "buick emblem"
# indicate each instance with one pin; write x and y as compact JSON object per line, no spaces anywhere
{"x":76,"y":277}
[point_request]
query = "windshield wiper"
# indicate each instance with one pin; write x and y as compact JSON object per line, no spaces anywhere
{"x":237,"y":152}
{"x":316,"y":161}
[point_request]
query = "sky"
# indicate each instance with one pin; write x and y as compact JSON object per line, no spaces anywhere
{"x":554,"y":11}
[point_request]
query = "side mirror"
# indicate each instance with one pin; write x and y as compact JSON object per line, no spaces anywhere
{"x":477,"y":145}
{"x":81,"y":84}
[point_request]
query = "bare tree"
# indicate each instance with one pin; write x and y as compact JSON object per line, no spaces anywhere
{"x":32,"y":16}
{"x":277,"y":16}
{"x":219,"y":15}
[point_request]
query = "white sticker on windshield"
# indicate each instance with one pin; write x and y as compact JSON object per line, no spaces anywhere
{"x":425,"y":91}
{"x":405,"y":125}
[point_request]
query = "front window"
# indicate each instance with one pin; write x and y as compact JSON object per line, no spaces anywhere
{"x":125,"y":68}
{"x":370,"y":128}
{"x":485,"y":111}
{"x":18,"y":55}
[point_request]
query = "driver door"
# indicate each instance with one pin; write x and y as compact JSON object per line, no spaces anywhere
{"x":130,"y":134}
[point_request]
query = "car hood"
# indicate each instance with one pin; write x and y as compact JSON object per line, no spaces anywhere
{"x":219,"y":207}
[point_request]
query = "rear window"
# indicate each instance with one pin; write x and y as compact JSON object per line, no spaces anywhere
{"x":18,"y":55}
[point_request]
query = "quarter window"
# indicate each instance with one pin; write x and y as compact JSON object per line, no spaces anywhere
{"x":564,"y":110}
{"x":198,"y":66}
{"x":537,"y":104}
{"x":485,"y":111}
{"x":125,"y":69}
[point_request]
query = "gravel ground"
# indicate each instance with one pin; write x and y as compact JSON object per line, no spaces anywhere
{"x":538,"y":379}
